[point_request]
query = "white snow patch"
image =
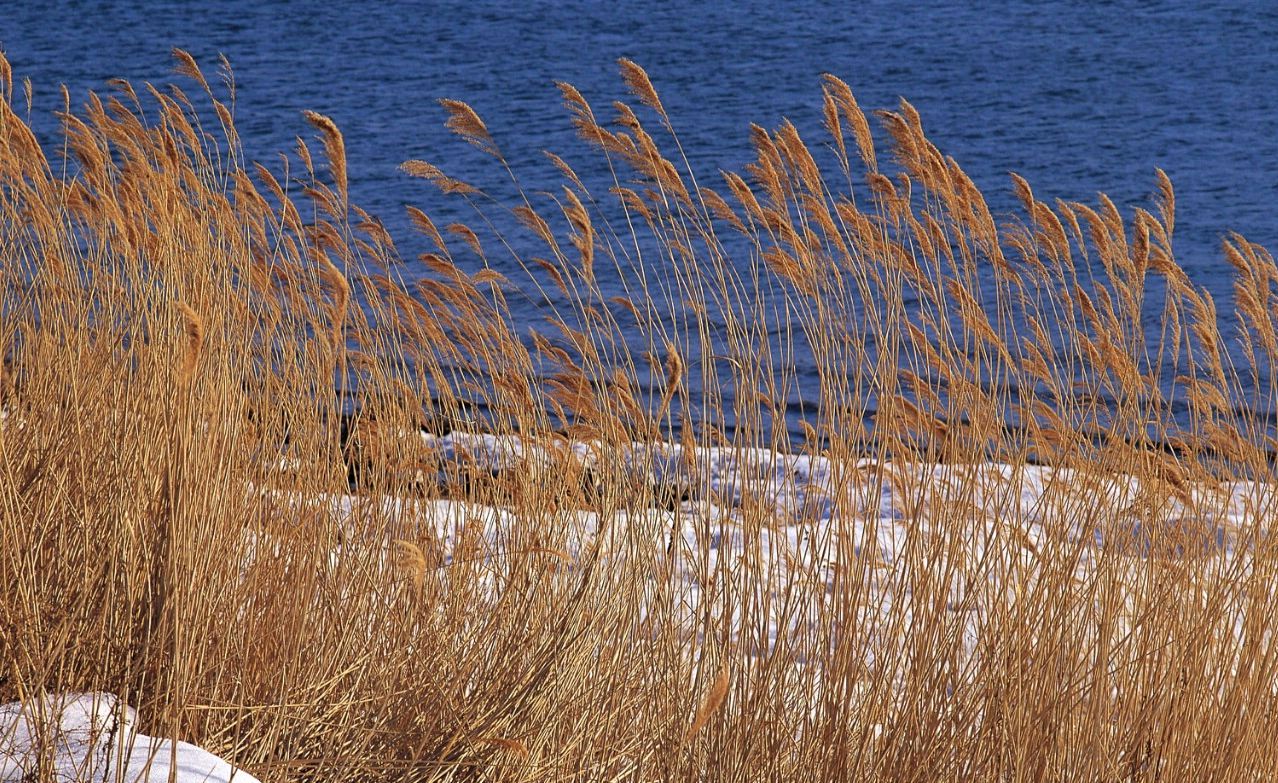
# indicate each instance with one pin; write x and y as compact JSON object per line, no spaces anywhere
{"x":91,"y":738}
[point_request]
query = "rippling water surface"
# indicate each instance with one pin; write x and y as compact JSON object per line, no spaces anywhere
{"x":1077,"y":97}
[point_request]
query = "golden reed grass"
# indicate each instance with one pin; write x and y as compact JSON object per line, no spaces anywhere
{"x":178,"y":323}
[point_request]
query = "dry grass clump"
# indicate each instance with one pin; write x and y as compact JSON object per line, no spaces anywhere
{"x":216,"y":499}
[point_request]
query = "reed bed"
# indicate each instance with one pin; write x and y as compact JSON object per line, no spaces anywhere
{"x":215,"y":500}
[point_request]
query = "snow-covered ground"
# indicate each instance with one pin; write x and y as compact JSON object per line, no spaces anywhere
{"x":821,"y":517}
{"x":90,"y":737}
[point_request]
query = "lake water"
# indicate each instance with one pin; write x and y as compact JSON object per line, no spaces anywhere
{"x":1077,"y":97}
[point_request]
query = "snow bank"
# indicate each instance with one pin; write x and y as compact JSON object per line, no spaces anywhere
{"x":92,"y":737}
{"x":767,"y":543}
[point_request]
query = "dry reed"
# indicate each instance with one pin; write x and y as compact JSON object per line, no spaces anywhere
{"x":247,"y":536}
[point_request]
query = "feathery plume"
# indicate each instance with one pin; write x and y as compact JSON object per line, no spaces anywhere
{"x":334,"y":149}
{"x":637,"y":80}
{"x":712,"y":702}
{"x":463,"y":121}
{"x":186,"y":66}
{"x":194,"y":330}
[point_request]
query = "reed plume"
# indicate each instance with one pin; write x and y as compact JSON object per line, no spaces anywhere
{"x":334,"y":149}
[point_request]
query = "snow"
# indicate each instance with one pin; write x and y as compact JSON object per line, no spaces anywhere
{"x":92,"y":737}
{"x":881,"y":521}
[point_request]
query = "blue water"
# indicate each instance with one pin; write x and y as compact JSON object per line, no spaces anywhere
{"x":1077,"y":97}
